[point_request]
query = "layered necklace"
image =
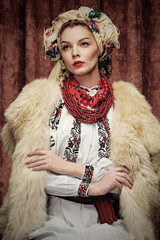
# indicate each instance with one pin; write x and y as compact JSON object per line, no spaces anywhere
{"x":86,"y":108}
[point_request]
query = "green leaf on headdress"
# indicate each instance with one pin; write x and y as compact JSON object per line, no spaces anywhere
{"x":94,"y":14}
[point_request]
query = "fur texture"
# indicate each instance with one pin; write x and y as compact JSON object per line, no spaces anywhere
{"x":135,"y":136}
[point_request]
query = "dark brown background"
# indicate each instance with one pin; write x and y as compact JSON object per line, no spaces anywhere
{"x":22,"y":24}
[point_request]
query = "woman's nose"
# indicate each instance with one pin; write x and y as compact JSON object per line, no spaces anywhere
{"x":75,"y":51}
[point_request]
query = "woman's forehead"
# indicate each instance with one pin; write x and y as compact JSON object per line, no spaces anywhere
{"x":76,"y":32}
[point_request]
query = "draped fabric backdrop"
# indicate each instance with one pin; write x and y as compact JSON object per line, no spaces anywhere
{"x":22,"y":23}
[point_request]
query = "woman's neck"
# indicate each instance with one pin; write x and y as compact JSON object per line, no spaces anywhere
{"x":88,"y":80}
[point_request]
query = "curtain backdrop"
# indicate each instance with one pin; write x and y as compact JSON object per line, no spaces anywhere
{"x":22,"y":23}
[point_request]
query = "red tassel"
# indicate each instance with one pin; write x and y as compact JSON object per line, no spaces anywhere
{"x":105,"y":210}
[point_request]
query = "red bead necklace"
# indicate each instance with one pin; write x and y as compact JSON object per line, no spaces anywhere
{"x":85,"y":99}
{"x":77,"y":100}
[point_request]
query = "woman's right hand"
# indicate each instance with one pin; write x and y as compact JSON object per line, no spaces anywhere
{"x":116,"y":177}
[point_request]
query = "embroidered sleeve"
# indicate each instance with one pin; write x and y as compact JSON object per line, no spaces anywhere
{"x":86,"y":180}
{"x":88,"y":173}
{"x":83,"y":189}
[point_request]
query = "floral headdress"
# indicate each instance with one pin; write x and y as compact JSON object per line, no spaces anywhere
{"x":105,"y":33}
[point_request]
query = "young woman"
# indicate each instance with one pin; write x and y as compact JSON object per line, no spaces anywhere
{"x":98,"y":143}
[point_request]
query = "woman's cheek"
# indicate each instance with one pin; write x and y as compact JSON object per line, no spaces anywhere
{"x":65,"y":58}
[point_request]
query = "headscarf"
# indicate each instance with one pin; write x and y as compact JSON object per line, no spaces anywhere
{"x":104,"y":31}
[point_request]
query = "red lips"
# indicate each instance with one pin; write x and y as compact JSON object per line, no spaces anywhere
{"x":78,"y":63}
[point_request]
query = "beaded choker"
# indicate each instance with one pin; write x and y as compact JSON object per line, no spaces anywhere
{"x":86,"y":100}
{"x":77,"y":100}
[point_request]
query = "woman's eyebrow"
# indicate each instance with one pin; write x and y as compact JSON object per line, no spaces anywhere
{"x":64,"y":42}
{"x":85,"y":38}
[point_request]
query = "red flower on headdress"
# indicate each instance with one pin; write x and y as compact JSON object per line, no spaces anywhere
{"x":48,"y":32}
{"x":51,"y":47}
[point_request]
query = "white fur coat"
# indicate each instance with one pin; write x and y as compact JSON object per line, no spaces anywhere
{"x":135,"y":140}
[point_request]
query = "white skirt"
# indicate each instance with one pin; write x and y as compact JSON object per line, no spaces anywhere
{"x":69,"y":220}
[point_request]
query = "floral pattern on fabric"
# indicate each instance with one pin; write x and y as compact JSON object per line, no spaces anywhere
{"x":88,"y":173}
{"x":86,"y":180}
{"x":92,"y":25}
{"x":71,"y":151}
{"x":104,"y":149}
{"x":83,"y":189}
{"x":53,"y":50}
{"x":94,"y":14}
{"x":54,"y":120}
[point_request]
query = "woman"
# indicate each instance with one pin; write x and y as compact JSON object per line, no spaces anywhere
{"x":97,"y":143}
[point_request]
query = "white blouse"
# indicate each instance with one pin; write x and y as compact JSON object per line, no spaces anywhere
{"x":66,"y":219}
{"x":63,"y":185}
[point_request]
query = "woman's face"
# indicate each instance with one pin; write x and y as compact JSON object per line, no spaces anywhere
{"x":79,"y":50}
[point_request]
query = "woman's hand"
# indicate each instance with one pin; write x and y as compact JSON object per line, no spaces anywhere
{"x":116,"y":177}
{"x":47,"y":160}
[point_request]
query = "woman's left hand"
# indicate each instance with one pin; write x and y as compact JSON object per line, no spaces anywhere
{"x":46,"y":160}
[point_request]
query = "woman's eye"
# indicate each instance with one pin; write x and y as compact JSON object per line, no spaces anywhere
{"x":66,"y":47}
{"x":84,"y":44}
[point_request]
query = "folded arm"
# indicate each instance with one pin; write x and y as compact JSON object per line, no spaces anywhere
{"x":67,"y":176}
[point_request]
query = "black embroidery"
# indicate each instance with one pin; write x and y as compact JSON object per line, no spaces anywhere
{"x":54,"y":120}
{"x":104,"y":149}
{"x":71,"y":151}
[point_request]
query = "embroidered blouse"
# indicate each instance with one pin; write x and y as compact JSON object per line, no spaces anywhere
{"x":78,"y":142}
